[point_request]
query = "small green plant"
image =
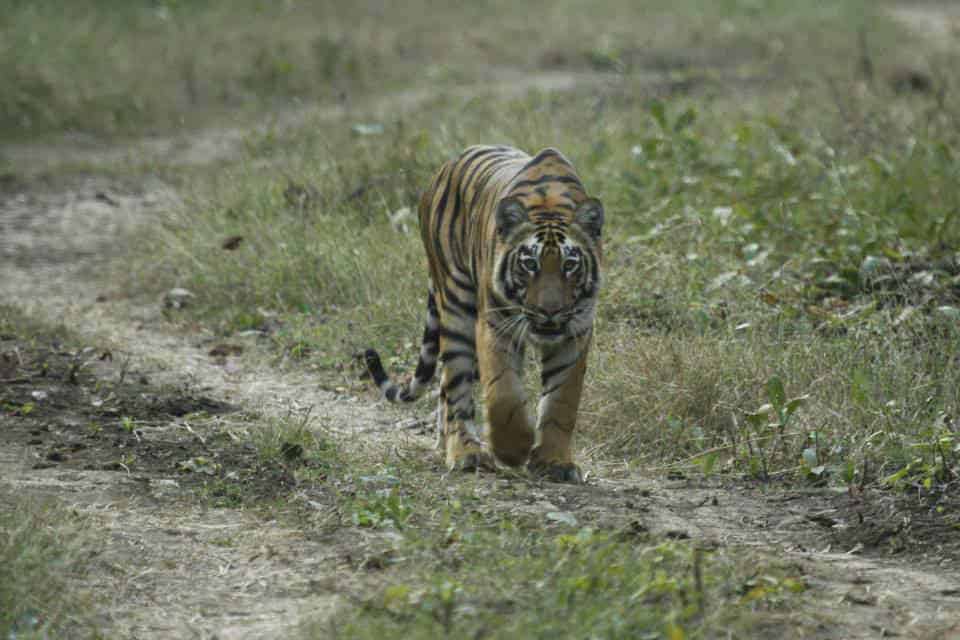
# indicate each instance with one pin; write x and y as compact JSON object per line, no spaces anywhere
{"x":200,"y":464}
{"x":770,"y":422}
{"x":771,"y":589}
{"x":936,"y":462}
{"x":224,"y":541}
{"x":386,"y":508}
{"x":22,"y":410}
{"x":777,"y":413}
{"x":126,"y":461}
{"x":223,"y":494}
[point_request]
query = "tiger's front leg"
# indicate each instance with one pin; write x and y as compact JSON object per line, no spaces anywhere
{"x":564,"y":366}
{"x":458,"y":432}
{"x":508,"y":425}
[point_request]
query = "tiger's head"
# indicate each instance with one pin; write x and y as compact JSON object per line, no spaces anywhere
{"x":547,"y":270}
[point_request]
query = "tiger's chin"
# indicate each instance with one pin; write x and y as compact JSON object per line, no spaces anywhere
{"x":544,"y":336}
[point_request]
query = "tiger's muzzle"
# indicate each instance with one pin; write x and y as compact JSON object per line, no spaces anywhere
{"x":547,"y":325}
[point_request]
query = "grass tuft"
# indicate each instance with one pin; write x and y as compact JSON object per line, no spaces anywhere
{"x":43,"y":549}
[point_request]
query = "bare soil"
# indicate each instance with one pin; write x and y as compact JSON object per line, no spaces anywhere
{"x":135,"y":423}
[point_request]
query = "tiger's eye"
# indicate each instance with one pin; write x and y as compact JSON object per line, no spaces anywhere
{"x":529,"y":264}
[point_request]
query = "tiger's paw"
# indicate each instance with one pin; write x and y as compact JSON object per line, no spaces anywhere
{"x":473,"y":461}
{"x":465,"y":449}
{"x":566,"y":472}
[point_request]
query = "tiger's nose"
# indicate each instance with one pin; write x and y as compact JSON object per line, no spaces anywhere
{"x":550,"y":315}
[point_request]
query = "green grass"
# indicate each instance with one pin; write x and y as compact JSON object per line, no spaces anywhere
{"x":453,"y":560}
{"x":579,"y":584}
{"x":43,"y":549}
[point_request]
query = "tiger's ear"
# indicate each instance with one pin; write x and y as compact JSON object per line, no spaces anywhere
{"x":589,"y":215}
{"x":510,"y":213}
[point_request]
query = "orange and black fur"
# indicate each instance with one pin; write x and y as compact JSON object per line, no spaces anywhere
{"x":514,"y":250}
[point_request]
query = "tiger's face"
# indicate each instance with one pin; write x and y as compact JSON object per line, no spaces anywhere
{"x":549,"y":272}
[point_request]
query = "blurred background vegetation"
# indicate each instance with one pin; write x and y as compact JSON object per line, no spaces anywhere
{"x":108,"y":67}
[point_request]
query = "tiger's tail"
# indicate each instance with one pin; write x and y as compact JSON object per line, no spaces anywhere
{"x":426,"y":365}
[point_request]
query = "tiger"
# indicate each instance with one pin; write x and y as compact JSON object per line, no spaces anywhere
{"x":513,"y":245}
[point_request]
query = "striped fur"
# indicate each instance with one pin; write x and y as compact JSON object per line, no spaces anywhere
{"x":513,"y":244}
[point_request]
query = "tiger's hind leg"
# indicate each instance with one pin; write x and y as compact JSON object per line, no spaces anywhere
{"x":562,"y":376}
{"x":457,"y":429}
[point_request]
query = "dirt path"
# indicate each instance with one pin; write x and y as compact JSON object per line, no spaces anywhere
{"x":179,"y":570}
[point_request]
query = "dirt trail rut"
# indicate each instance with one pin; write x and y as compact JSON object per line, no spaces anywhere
{"x":181,"y":571}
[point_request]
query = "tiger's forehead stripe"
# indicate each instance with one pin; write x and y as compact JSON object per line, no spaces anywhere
{"x":550,"y":190}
